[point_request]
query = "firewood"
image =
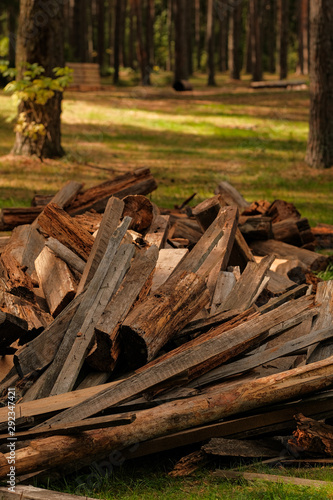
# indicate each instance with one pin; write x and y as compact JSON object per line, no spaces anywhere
{"x":240,"y":254}
{"x":158,"y":231}
{"x":325,"y":318}
{"x":172,"y":417}
{"x":58,"y":224}
{"x":281,"y":210}
{"x":60,"y":250}
{"x":138,"y":182}
{"x":185,"y":229}
{"x":293,"y":231}
{"x":230,"y":195}
{"x":152,"y":324}
{"x":13,"y":279}
{"x":256,"y":227}
{"x":207,"y":211}
{"x":11,"y":329}
{"x":110,"y":221}
{"x":223,"y":447}
{"x":105,"y":353}
{"x":323,"y":234}
{"x":63,"y":371}
{"x":312,"y":260}
{"x":257,"y":208}
{"x":140,"y":209}
{"x":90,"y":221}
{"x":13,"y":217}
{"x":224,"y":285}
{"x":247,"y":289}
{"x":311,"y":437}
{"x":56,"y":280}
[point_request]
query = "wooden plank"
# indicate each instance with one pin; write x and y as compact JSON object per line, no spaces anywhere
{"x":110,"y":221}
{"x":158,"y":231}
{"x":107,"y":349}
{"x":56,"y":280}
{"x":65,"y":254}
{"x":230,"y":195}
{"x":324,"y":296}
{"x":246,"y":289}
{"x":273,"y":478}
{"x":114,"y":275}
{"x":58,"y":224}
{"x":224,"y":285}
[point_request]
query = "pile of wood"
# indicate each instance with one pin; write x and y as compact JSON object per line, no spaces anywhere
{"x":129,"y":328}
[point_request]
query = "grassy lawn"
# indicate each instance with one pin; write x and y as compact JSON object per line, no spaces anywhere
{"x":254,"y":139}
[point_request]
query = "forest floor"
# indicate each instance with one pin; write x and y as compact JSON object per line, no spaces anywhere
{"x":254,"y":139}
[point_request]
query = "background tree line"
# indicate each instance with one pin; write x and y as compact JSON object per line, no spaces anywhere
{"x":183,"y":36}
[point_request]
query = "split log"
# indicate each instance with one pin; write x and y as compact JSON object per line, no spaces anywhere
{"x":240,"y":254}
{"x":214,"y":247}
{"x":172,"y":417}
{"x":40,"y":352}
{"x":140,"y":209}
{"x":90,"y":221}
{"x":13,"y":279}
{"x":323,"y":234}
{"x":106,"y":351}
{"x":153,"y":323}
{"x":207,"y":211}
{"x":324,"y":296}
{"x":138,"y":182}
{"x":58,"y":224}
{"x":158,"y":231}
{"x":36,"y":241}
{"x":167,"y":262}
{"x":223,"y":447}
{"x":230,"y":195}
{"x":311,"y":437}
{"x":110,"y":221}
{"x":64,"y":253}
{"x":224,"y":285}
{"x":13,"y":217}
{"x":256,"y":227}
{"x":281,"y":210}
{"x":312,"y":260}
{"x":293,"y":231}
{"x":63,"y":371}
{"x":56,"y":280}
{"x":260,"y":207}
{"x":186,"y":229}
{"x":248,"y":287}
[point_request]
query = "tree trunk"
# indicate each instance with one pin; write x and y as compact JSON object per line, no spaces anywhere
{"x":197,"y":34}
{"x":111,"y":24}
{"x":303,"y":29}
{"x":210,"y":43}
{"x":116,"y":46}
{"x":80,"y":30}
{"x":150,"y":33}
{"x":132,"y":38}
{"x":124,"y":59}
{"x":41,"y":42}
{"x":283,"y":35}
{"x":170,"y":31}
{"x":271,"y":35}
{"x":320,"y":142}
{"x":101,"y":34}
{"x":141,"y":50}
{"x":181,"y":59}
{"x":189,"y":33}
{"x":255,"y":7}
{"x":223,"y":40}
{"x":248,"y":56}
{"x":235,"y":42}
{"x":12,"y":15}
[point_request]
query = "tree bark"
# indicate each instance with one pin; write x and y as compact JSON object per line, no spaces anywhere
{"x":197,"y":34}
{"x":141,"y":49}
{"x":40,"y":39}
{"x":210,"y":43}
{"x":235,"y":42}
{"x":255,"y":7}
{"x":101,"y":34}
{"x":80,"y":31}
{"x":150,"y":33}
{"x":116,"y":42}
{"x":181,"y":59}
{"x":320,"y":142}
{"x":283,"y":35}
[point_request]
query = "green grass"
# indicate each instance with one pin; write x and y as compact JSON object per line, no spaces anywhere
{"x":147,"y":480}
